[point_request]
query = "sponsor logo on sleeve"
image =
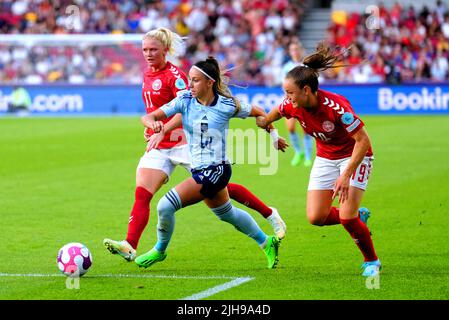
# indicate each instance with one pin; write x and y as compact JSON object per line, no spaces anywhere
{"x":353,"y":126}
{"x":180,"y":84}
{"x":347,"y":118}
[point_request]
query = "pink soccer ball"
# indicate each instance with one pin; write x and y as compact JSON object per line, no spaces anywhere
{"x":74,"y":259}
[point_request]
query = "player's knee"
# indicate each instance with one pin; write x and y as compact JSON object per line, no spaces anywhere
{"x":142,"y":194}
{"x":165,"y":208}
{"x":316,"y":219}
{"x":168,"y":204}
{"x":224,"y":212}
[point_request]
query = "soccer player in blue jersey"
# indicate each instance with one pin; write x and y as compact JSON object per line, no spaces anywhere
{"x":168,"y":149}
{"x":206,"y":110}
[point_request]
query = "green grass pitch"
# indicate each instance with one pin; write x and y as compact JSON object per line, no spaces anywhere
{"x":72,"y":180}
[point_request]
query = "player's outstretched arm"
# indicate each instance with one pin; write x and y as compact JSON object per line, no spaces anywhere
{"x":153,"y":120}
{"x":278,"y":142}
{"x":171,"y":125}
{"x":174,"y":123}
{"x":264,"y":121}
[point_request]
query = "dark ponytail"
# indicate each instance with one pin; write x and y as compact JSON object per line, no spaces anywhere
{"x":322,"y":59}
{"x":212,"y":68}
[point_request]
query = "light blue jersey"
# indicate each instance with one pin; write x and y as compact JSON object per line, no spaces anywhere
{"x":205,"y":126}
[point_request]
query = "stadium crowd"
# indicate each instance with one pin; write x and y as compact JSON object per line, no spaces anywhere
{"x":249,"y":35}
{"x":246,"y":34}
{"x":404,"y":44}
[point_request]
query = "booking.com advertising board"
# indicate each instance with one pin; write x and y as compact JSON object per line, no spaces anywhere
{"x":377,"y":99}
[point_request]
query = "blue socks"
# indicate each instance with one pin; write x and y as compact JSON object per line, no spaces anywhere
{"x":170,"y":203}
{"x":166,"y":208}
{"x":307,"y":141}
{"x":241,"y":220}
{"x":308,"y":145}
{"x":294,"y":139}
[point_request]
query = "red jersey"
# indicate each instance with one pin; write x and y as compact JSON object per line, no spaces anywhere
{"x":159,"y":88}
{"x":332,"y":124}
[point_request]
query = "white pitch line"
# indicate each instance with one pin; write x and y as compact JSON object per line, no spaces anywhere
{"x":118,"y":276}
{"x":198,"y":296}
{"x":222,"y":287}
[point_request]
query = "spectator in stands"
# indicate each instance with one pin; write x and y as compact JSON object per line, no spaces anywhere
{"x":231,"y":22}
{"x":402,"y":49}
{"x":255,"y":29}
{"x":439,"y":68}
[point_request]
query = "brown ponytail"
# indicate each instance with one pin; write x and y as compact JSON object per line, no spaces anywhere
{"x":212,"y":68}
{"x":322,"y":59}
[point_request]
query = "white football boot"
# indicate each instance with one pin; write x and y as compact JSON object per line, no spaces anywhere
{"x":123,"y":248}
{"x":277,"y":223}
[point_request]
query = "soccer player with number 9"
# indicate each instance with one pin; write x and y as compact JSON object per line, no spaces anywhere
{"x":344,"y":154}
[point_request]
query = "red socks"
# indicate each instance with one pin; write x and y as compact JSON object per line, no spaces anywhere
{"x":333,"y":217}
{"x":139,"y":216}
{"x":357,"y":229}
{"x":242,"y":195}
{"x":361,"y":236}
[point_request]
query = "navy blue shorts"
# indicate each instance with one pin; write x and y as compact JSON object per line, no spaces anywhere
{"x":214,"y":178}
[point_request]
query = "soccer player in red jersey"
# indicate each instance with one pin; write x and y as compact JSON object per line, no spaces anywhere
{"x":344,"y":154}
{"x":162,"y":82}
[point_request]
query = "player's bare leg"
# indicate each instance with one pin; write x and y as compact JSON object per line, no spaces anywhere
{"x":242,"y":195}
{"x":319,"y":203}
{"x":183,"y":195}
{"x":243,"y":222}
{"x":148,"y":182}
{"x":188,"y":193}
{"x":349,"y":216}
{"x":320,"y":212}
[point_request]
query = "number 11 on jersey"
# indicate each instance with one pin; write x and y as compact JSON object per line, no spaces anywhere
{"x":148,"y":102}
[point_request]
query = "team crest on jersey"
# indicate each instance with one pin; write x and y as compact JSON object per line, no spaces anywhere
{"x":347,"y":118}
{"x":180,"y":84}
{"x":157,"y":84}
{"x":328,"y":126}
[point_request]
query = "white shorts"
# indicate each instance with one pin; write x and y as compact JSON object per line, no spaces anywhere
{"x":325,"y":172}
{"x":166,"y":160}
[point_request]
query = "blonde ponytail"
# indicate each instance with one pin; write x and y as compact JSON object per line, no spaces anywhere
{"x":169,"y":39}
